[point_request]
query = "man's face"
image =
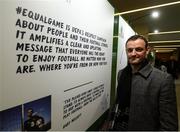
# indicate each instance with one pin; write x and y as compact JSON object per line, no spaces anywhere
{"x":29,"y":113}
{"x":136,"y":51}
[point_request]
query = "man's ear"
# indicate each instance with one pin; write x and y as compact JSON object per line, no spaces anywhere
{"x":148,"y":49}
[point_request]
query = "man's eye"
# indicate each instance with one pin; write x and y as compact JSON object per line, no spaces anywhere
{"x":139,"y":49}
{"x":129,"y":50}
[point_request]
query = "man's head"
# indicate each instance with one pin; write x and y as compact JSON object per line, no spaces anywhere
{"x":30,"y":112}
{"x":137,"y":49}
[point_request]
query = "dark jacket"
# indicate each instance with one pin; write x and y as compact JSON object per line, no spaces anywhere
{"x":153,"y":101}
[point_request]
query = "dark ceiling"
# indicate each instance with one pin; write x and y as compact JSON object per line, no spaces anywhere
{"x":143,"y":23}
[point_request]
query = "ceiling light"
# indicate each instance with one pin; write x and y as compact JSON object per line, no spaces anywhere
{"x":162,"y":48}
{"x":164,"y":51}
{"x":156,"y":31}
{"x":169,"y":41}
{"x":147,"y":8}
{"x":168,"y":32}
{"x":167,"y":46}
{"x":155,"y":14}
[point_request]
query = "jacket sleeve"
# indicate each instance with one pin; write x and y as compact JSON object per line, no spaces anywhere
{"x":167,"y":105}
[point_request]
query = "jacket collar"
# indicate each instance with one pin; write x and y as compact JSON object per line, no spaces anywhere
{"x":146,"y":70}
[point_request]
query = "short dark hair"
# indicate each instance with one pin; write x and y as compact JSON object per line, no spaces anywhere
{"x":30,"y":109}
{"x":135,"y":37}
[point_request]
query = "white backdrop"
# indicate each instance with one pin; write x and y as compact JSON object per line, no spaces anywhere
{"x":125,"y":31}
{"x":61,"y":49}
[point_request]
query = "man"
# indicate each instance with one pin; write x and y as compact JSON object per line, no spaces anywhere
{"x":34,"y":122}
{"x":146,"y":97}
{"x":173,"y":67}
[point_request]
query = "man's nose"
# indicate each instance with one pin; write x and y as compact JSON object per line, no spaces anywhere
{"x":133,"y":52}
